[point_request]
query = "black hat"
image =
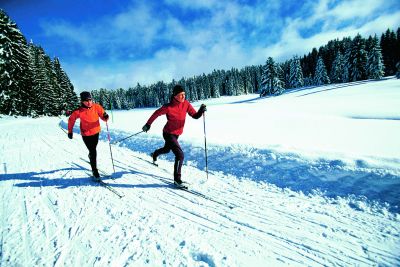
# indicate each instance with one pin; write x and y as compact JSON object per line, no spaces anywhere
{"x":178,"y":89}
{"x":85,"y":96}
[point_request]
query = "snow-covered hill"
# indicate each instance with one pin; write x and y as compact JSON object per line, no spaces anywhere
{"x":309,"y":178}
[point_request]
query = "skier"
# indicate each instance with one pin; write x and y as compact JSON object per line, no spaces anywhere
{"x":89,"y":114}
{"x":175,"y":111}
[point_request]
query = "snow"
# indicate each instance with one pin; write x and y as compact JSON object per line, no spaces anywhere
{"x":312,"y":177}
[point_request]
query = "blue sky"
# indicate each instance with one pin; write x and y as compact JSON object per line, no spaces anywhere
{"x":119,"y":43}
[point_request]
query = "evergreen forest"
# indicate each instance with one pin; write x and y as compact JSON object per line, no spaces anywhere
{"x":33,"y":84}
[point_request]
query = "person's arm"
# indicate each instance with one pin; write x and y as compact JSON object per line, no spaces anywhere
{"x":71,"y":122}
{"x":102,"y":114}
{"x":196,"y":115}
{"x":161,"y":111}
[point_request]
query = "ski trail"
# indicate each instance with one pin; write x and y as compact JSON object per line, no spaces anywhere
{"x":68,"y":220}
{"x":285,"y":170}
{"x":261,"y":222}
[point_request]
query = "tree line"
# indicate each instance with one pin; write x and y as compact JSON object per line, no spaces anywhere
{"x":31,"y":84}
{"x":339,"y":61}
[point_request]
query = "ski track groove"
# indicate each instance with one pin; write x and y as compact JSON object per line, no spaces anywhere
{"x":181,"y":195}
{"x":301,"y":249}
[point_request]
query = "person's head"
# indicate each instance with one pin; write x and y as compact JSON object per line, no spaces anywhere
{"x":179,"y":93}
{"x":86,"y":99}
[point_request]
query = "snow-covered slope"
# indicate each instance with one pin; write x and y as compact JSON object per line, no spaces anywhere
{"x":271,"y":198}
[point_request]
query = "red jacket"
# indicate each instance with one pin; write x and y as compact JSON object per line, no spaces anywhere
{"x":89,"y":117}
{"x":176,"y":115}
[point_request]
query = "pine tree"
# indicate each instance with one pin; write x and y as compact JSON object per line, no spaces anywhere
{"x":268,"y":77}
{"x":69,"y":99}
{"x":270,"y":82}
{"x":389,"y":45}
{"x":14,"y":69}
{"x":321,"y":75}
{"x":35,"y":100}
{"x":347,"y":63}
{"x":245,"y":74}
{"x":50,"y":92}
{"x":296,"y":73}
{"x":337,"y":68}
{"x":375,"y":67}
{"x":358,"y":59}
{"x":281,"y":79}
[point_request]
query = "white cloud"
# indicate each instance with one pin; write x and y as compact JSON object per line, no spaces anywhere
{"x":292,"y":43}
{"x":231,"y":35}
{"x":355,"y":9}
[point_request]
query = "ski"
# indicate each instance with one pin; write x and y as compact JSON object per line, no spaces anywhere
{"x":106,"y":185}
{"x":148,"y":161}
{"x":196,"y":193}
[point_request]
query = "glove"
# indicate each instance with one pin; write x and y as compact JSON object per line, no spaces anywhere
{"x":105,"y":116}
{"x":203,"y":108}
{"x":70,"y":135}
{"x":146,"y":127}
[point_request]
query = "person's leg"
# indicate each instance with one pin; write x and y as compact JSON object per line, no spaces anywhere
{"x":91,"y":144}
{"x":179,"y":156}
{"x":164,"y":150}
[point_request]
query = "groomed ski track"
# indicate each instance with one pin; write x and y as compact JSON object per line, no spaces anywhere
{"x":53,"y":214}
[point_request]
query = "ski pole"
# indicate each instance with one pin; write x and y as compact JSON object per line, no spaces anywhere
{"x":109,"y":143}
{"x":126,"y":137}
{"x":205,"y":142}
{"x":112,"y":115}
{"x":60,"y":124}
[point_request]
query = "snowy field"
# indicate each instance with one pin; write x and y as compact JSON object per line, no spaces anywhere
{"x":309,"y":178}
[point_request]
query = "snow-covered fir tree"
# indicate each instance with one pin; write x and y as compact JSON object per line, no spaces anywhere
{"x":347,"y":66}
{"x":47,"y":86}
{"x":296,"y":73}
{"x":270,"y":82}
{"x":69,"y":99}
{"x":375,"y":67}
{"x":29,"y":83}
{"x":14,"y":69}
{"x":246,"y":80}
{"x":36,"y":102}
{"x":215,"y":84}
{"x":321,"y":75}
{"x":390,"y":44}
{"x":358,"y":59}
{"x":281,"y":78}
{"x":398,"y":70}
{"x":337,"y":68}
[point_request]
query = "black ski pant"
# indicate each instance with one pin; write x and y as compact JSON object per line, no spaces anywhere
{"x":171,"y":143}
{"x":91,"y":144}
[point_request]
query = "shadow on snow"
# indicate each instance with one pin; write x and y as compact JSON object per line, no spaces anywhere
{"x":39,"y":179}
{"x":331,"y":177}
